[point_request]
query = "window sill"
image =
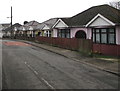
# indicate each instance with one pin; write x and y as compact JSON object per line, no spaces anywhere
{"x":104,"y":43}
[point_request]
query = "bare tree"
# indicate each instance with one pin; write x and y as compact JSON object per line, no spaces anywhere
{"x":25,"y":22}
{"x":115,"y":4}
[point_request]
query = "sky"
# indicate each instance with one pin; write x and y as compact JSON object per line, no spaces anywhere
{"x":42,"y":10}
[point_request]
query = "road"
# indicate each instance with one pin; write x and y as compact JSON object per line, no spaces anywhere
{"x":0,"y":64}
{"x":29,"y":67}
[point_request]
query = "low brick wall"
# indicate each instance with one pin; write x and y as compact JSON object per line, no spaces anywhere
{"x":112,"y":50}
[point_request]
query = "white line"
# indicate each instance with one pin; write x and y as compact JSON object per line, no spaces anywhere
{"x":36,"y":72}
{"x":25,"y":62}
{"x":31,"y":68}
{"x":48,"y":83}
{"x":41,"y":77}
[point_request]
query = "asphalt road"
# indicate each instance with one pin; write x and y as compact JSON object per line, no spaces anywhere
{"x":29,"y":67}
{"x":0,"y":64}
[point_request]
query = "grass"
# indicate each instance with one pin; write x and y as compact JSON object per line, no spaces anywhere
{"x":108,"y":58}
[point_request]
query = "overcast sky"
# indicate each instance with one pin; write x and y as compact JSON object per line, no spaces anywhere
{"x":42,"y":10}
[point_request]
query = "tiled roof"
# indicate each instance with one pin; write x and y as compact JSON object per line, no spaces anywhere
{"x":51,"y":22}
{"x":40,"y":26}
{"x":67,"y":21}
{"x":17,"y":25}
{"x":32,"y":23}
{"x":4,"y":26}
{"x":84,"y":17}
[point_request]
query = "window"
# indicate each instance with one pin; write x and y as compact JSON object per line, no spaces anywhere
{"x":111,"y":36}
{"x":105,"y":36}
{"x":97,"y":36}
{"x":64,"y":33}
{"x":48,"y":33}
{"x":93,"y":35}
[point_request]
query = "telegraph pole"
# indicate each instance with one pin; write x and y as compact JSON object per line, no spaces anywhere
{"x":11,"y":15}
{"x":11,"y":22}
{"x":11,"y":19}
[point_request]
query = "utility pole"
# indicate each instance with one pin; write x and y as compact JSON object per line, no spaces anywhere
{"x":11,"y":15}
{"x":11,"y":21}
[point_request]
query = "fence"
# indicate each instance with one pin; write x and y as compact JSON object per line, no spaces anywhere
{"x":25,"y":38}
{"x":82,"y":45}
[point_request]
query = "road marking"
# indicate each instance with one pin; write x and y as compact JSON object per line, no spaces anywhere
{"x":10,"y":43}
{"x":36,"y":73}
{"x":48,"y":83}
{"x":25,"y":62}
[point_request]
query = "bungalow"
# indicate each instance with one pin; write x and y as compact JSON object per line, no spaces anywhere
{"x":48,"y":27}
{"x":16,"y":29}
{"x":22,"y":31}
{"x":12,"y":31}
{"x":62,"y":28}
{"x":30,"y":28}
{"x":2,"y":29}
{"x":99,"y":23}
{"x":39,"y":29}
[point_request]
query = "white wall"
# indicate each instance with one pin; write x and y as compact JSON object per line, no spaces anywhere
{"x":60,"y":25}
{"x":54,"y":33}
{"x":1,"y":31}
{"x":118,"y":35}
{"x":1,"y":35}
{"x":86,"y":30}
{"x":100,"y":22}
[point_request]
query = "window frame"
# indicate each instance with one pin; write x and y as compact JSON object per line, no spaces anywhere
{"x":48,"y":33}
{"x":100,"y":34}
{"x":63,"y":33}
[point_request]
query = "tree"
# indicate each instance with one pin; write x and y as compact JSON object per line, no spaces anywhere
{"x":25,"y":22}
{"x":115,"y":4}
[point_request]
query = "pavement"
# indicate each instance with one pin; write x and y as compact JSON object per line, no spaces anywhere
{"x":106,"y":64}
